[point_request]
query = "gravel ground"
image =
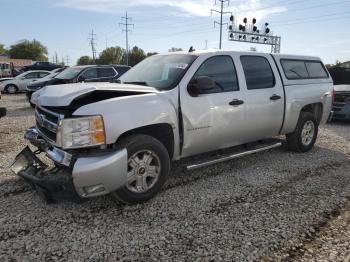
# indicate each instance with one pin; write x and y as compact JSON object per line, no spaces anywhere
{"x":270,"y":206}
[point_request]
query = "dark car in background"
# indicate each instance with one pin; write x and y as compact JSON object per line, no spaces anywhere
{"x":41,"y":66}
{"x":341,"y":102}
{"x":76,"y":74}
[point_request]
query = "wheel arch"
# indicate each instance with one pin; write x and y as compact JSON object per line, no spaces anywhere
{"x":162,"y":132}
{"x":10,"y":84}
{"x":316,"y":109}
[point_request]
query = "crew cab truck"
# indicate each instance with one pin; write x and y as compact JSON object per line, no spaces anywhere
{"x":121,"y":138}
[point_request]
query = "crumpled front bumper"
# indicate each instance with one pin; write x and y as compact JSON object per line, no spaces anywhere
{"x":73,"y":176}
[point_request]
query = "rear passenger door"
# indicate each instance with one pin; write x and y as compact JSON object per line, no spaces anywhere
{"x":263,"y":96}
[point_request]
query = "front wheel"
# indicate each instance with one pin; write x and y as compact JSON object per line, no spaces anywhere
{"x":305,"y":134}
{"x":148,"y":169}
{"x":11,"y":89}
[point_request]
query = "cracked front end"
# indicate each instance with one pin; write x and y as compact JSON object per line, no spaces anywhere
{"x":82,"y":164}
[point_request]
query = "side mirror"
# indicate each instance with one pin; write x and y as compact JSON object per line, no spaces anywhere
{"x":199,"y":84}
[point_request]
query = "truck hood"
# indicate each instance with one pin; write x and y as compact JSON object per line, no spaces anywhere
{"x":65,"y":95}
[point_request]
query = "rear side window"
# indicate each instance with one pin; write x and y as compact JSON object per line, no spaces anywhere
{"x":300,"y":69}
{"x":316,"y":70}
{"x":222,"y":70}
{"x":258,"y":72}
{"x":106,"y":72}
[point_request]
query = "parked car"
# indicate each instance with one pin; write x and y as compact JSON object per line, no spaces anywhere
{"x":75,"y":74}
{"x":32,"y":87}
{"x":2,"y":109}
{"x":46,"y":66}
{"x":120,"y":139}
{"x":20,"y":82}
{"x":341,"y":103}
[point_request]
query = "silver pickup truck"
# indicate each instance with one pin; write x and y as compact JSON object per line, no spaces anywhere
{"x":120,"y":138}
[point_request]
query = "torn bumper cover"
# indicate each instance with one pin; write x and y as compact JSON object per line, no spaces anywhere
{"x":73,"y":177}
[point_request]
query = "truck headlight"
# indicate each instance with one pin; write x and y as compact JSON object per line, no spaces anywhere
{"x":81,"y":132}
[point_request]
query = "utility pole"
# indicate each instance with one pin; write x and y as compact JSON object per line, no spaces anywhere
{"x":221,"y":12}
{"x":56,"y":57}
{"x":92,"y":39}
{"x":67,"y":60}
{"x":206,"y":44}
{"x":126,"y":30}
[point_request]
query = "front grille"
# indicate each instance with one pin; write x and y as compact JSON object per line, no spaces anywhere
{"x":47,"y":123}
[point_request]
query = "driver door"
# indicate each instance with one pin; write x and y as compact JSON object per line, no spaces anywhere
{"x":89,"y":75}
{"x":27,"y":79}
{"x":214,"y":118}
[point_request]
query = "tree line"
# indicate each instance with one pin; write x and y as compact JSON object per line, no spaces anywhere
{"x":26,"y":49}
{"x":36,"y":51}
{"x":116,"y":55}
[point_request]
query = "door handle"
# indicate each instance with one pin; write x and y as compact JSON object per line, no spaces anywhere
{"x":236,"y":102}
{"x":275,"y":97}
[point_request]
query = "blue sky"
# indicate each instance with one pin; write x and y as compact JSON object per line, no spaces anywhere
{"x":308,"y":27}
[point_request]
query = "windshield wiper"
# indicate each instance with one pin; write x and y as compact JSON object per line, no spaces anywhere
{"x":137,"y":83}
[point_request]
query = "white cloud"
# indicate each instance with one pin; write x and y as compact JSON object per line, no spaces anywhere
{"x":247,"y":8}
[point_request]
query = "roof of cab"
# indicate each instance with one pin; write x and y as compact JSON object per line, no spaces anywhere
{"x":211,"y":51}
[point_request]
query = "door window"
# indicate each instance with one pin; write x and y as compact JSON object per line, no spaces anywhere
{"x":106,"y":72}
{"x":222,"y":70}
{"x":31,"y":75}
{"x":258,"y":72}
{"x":91,"y":73}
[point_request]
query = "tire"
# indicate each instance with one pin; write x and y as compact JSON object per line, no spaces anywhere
{"x":305,"y":134}
{"x":32,"y":105}
{"x":11,"y":89}
{"x":144,"y":184}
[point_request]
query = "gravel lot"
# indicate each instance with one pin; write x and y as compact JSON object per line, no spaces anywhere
{"x":270,"y":206}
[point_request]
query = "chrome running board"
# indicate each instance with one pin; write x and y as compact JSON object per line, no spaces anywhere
{"x":232,"y":156}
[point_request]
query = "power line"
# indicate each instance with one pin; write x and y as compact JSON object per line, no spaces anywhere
{"x":221,"y":12}
{"x":92,"y":40}
{"x":126,"y":30}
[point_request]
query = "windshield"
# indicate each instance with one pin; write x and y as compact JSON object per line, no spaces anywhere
{"x":69,"y":73}
{"x":21,"y":75}
{"x":161,"y":72}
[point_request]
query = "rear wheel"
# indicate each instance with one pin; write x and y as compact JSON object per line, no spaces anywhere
{"x":148,"y":169}
{"x":11,"y":89}
{"x":305,"y":134}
